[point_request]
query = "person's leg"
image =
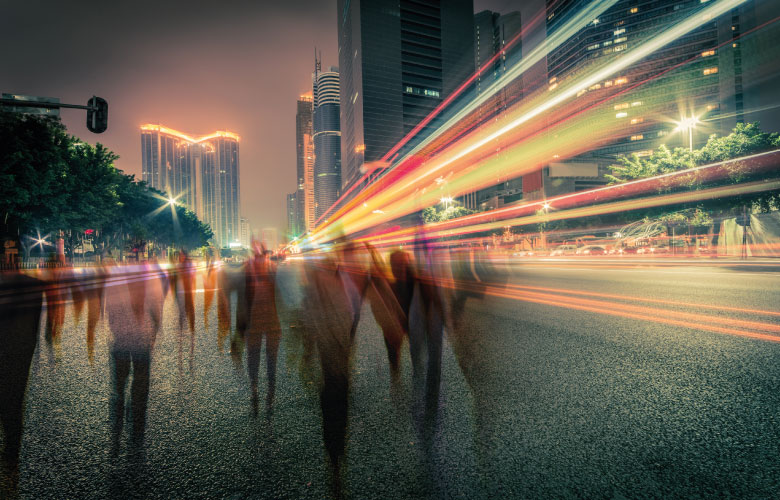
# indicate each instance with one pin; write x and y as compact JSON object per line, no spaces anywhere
{"x":140,"y":394}
{"x":253,"y":345}
{"x":120,"y":361}
{"x":271,"y":353}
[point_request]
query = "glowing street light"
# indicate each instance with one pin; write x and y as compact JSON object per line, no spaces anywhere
{"x":171,"y":201}
{"x":446,"y":200}
{"x":687,"y":124}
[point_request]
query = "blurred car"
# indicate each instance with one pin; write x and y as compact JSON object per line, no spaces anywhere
{"x":564,"y":250}
{"x":592,"y":250}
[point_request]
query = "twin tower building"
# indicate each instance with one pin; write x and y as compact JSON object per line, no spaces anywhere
{"x":201,"y":173}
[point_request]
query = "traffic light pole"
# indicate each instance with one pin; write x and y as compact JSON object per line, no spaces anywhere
{"x":47,"y":105}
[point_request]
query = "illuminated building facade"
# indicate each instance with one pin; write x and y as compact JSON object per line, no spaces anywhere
{"x":201,"y":173}
{"x":327,"y":139}
{"x":304,"y":144}
{"x":398,"y":61}
{"x":703,"y":74}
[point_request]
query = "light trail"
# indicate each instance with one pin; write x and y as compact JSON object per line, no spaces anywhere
{"x":646,"y":314}
{"x":566,"y":206}
{"x":410,"y":192}
{"x":569,"y":29}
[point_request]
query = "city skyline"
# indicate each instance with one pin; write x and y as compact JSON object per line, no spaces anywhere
{"x":193,"y":96}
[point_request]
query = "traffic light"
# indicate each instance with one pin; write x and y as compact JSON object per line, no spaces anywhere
{"x":97,"y":115}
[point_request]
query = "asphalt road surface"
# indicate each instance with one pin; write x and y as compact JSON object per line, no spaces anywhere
{"x":582,"y":378}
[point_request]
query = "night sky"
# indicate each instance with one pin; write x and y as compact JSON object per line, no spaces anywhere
{"x":195,"y":66}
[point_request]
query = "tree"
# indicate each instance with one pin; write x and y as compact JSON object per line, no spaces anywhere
{"x":431,"y":214}
{"x":51,"y":182}
{"x":745,"y":140}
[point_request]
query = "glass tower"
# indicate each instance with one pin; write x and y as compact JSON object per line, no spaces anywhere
{"x":327,"y":140}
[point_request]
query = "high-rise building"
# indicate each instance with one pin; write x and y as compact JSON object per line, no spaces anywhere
{"x":245,"y":232}
{"x":304,"y":143}
{"x":398,"y":60}
{"x":497,"y":47}
{"x":704,"y":74}
{"x":199,"y":172}
{"x":327,"y":139}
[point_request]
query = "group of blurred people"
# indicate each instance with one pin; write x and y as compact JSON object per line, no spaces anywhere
{"x":412,"y":297}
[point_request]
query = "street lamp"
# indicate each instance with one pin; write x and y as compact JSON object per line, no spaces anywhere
{"x":687,"y":124}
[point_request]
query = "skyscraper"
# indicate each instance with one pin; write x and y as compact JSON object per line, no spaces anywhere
{"x":327,"y":139}
{"x":304,"y":144}
{"x":201,"y":173}
{"x":398,"y":61}
{"x":497,"y":47}
{"x":700,"y":74}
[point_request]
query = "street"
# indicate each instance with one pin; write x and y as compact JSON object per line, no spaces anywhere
{"x":579,"y":378}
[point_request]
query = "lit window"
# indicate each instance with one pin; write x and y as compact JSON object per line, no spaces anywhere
{"x":607,"y":43}
{"x":594,"y":46}
{"x":607,"y":51}
{"x":595,"y":22}
{"x":734,"y":45}
{"x":634,"y":121}
{"x":637,"y":137}
{"x":552,"y":87}
{"x":622,"y":114}
{"x":708,"y":53}
{"x":621,"y":39}
{"x":710,"y":107}
{"x":620,"y":81}
{"x":634,"y":10}
{"x":595,"y":87}
{"x":619,"y":31}
{"x":636,"y":103}
{"x":618,"y":48}
{"x":662,"y":133}
{"x":711,"y":71}
{"x":623,"y":105}
{"x":553,"y":79}
{"x":581,"y":92}
{"x":608,"y":83}
{"x":409,"y":90}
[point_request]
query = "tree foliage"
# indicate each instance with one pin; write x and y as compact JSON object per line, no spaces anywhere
{"x":51,"y":182}
{"x":744,"y":140}
{"x":432,"y":214}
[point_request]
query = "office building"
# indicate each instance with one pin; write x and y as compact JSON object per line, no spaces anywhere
{"x":245,"y":232}
{"x":304,"y":143}
{"x":199,"y":172}
{"x":706,"y":74}
{"x":327,"y":139}
{"x":398,"y":60}
{"x":497,"y":47}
